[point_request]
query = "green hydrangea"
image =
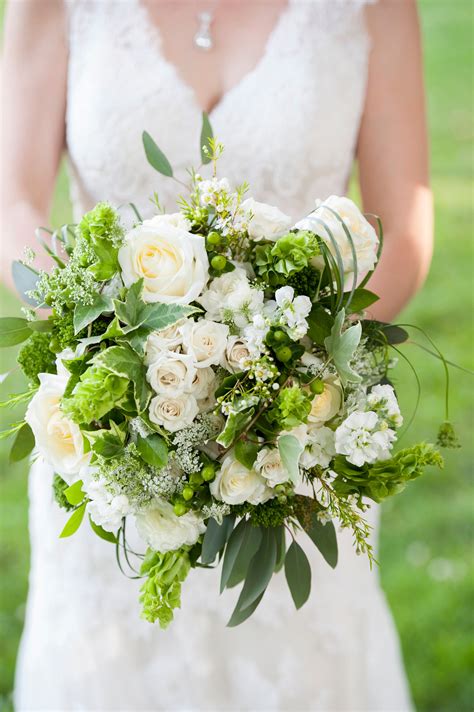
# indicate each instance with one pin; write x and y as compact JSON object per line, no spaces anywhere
{"x":161,"y":592}
{"x":285,"y":257}
{"x":97,"y":392}
{"x":383,"y":479}
{"x":35,"y":356}
{"x":100,"y":237}
{"x":291,"y":408}
{"x":59,"y":486}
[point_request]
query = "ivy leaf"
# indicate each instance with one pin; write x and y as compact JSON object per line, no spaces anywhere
{"x":235,"y":424}
{"x":101,"y":532}
{"x":13,"y":331}
{"x":74,"y":522}
{"x":132,"y":311}
{"x":298,"y":574}
{"x":75,"y":494}
{"x":155,"y":156}
{"x":123,"y":361}
{"x":341,"y":345}
{"x":23,"y":444}
{"x":215,"y":538}
{"x":105,"y":443}
{"x":246,"y":452}
{"x":290,"y":450}
{"x":160,"y":316}
{"x":260,"y":570}
{"x":206,"y":134}
{"x":25,"y":280}
{"x":85,"y":315}
{"x":153,"y":450}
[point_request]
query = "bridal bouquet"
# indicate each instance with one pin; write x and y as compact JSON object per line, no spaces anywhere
{"x":210,"y":377}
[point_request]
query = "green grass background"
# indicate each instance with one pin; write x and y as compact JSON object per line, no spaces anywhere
{"x":427,"y":536}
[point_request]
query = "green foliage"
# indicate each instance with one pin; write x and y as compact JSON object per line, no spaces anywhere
{"x":101,"y":231}
{"x":246,"y":452}
{"x":272,"y":513}
{"x":59,"y":488}
{"x":36,"y":357}
{"x":447,"y":437}
{"x":74,"y":493}
{"x":305,"y":282}
{"x":298,"y":574}
{"x":23,"y":443}
{"x":86,"y":314}
{"x":97,"y":392}
{"x":383,"y":479}
{"x":153,"y":450}
{"x":206,"y":134}
{"x":322,"y":535}
{"x":234,"y":426}
{"x":215,"y":538}
{"x":290,"y":254}
{"x":161,"y":592}
{"x":341,"y":345}
{"x":127,"y":364}
{"x":13,"y":330}
{"x":155,"y":156}
{"x":290,"y":450}
{"x":291,"y":408}
{"x":74,"y":522}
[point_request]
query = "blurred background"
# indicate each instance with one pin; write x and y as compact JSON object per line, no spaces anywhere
{"x":426,"y":547}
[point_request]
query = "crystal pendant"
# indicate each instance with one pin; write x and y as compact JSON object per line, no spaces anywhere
{"x":203,"y":38}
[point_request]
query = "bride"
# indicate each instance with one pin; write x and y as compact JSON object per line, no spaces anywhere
{"x":294,"y":89}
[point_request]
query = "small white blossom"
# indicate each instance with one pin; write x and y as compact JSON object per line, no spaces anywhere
{"x":319,"y":448}
{"x":361,"y":439}
{"x":105,"y":507}
{"x":383,"y":400}
{"x":294,"y":311}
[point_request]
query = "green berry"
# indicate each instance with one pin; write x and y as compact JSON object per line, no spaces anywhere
{"x":218,"y":262}
{"x":280,"y":336}
{"x":214,"y":238}
{"x":317,"y":386}
{"x":284,"y":354}
{"x":280,"y":489}
{"x":282,"y":498}
{"x":54,"y":345}
{"x":188,"y":493}
{"x":208,"y":473}
{"x":179,"y":509}
{"x":196,"y":479}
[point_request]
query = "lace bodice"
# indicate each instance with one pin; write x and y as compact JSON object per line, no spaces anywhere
{"x":290,"y":129}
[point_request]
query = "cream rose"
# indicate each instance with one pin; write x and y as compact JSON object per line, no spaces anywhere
{"x":58,"y":439}
{"x":236,"y":352}
{"x":205,"y":341}
{"x":204,"y":383}
{"x":363,"y":234}
{"x":163,"y":531}
{"x":235,"y":484}
{"x":265,"y":221}
{"x":172,"y":374}
{"x":172,"y":261}
{"x":327,"y":404}
{"x":169,"y":339}
{"x":269,"y":465}
{"x":173,"y":412}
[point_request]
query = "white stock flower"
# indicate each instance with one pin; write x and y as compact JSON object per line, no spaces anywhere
{"x":255,"y":334}
{"x":383,"y":400}
{"x":173,"y":412}
{"x":169,"y":339}
{"x":163,"y":531}
{"x":327,"y":404}
{"x":319,"y":448}
{"x":236,"y":353}
{"x":231,"y":298}
{"x":205,"y":341}
{"x":361,"y":439}
{"x":363,"y":234}
{"x":235,"y":484}
{"x":294,"y":311}
{"x":265,"y":222}
{"x":106,"y":509}
{"x":57,"y":438}
{"x":172,"y":373}
{"x":172,"y":262}
{"x":270,"y":466}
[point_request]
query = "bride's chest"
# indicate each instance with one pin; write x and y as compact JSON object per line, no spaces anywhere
{"x":289,"y":124}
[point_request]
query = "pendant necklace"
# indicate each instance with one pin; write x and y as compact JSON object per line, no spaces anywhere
{"x":203,"y":38}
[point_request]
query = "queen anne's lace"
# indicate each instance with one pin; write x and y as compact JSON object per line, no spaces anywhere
{"x":289,"y":128}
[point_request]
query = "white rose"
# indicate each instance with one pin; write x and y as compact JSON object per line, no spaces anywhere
{"x":169,"y":339}
{"x":204,"y":383}
{"x":363,"y":234}
{"x":58,"y":439}
{"x":236,"y":352}
{"x":235,"y":484}
{"x":172,"y":262}
{"x":231,"y":298}
{"x":163,"y":531}
{"x":206,"y":341}
{"x":106,"y":509}
{"x":172,"y":374}
{"x":173,"y":412}
{"x":265,"y":221}
{"x":319,"y":447}
{"x":269,"y":465}
{"x":327,"y":404}
{"x":173,"y":219}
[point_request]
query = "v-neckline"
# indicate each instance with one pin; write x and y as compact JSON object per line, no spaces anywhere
{"x":156,"y":34}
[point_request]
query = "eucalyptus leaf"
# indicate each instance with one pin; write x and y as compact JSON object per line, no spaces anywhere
{"x":25,"y":279}
{"x":298,"y":574}
{"x":13,"y":331}
{"x":323,"y":536}
{"x":281,"y":547}
{"x":74,"y":522}
{"x":231,"y":551}
{"x":23,"y":444}
{"x":155,"y":156}
{"x":250,"y":544}
{"x":206,"y":134}
{"x":290,"y":450}
{"x":74,"y":493}
{"x":153,"y":450}
{"x":260,"y":570}
{"x":215,"y":538}
{"x":341,"y":345}
{"x":241,"y":614}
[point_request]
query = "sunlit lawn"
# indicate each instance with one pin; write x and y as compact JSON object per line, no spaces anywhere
{"x":427,"y":536}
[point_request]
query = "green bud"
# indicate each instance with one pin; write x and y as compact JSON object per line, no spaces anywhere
{"x":218,"y":262}
{"x":284,"y":354}
{"x":188,"y":493}
{"x":48,"y":299}
{"x":214,"y":239}
{"x":196,"y":479}
{"x":208,"y":473}
{"x":280,"y":489}
{"x":179,"y":509}
{"x":282,"y":498}
{"x":280,"y":336}
{"x":317,"y":386}
{"x":54,"y":345}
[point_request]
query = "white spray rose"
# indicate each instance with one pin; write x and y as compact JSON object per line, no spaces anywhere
{"x":270,"y":466}
{"x":169,"y":339}
{"x":319,"y":448}
{"x":231,"y":298}
{"x":363,"y":234}
{"x":327,"y":404}
{"x":173,"y":412}
{"x":236,"y":353}
{"x":204,"y":383}
{"x":163,"y":531}
{"x":172,"y":261}
{"x":58,"y":439}
{"x":205,"y":341}
{"x":171,"y":374}
{"x":235,"y":484}
{"x":265,"y":222}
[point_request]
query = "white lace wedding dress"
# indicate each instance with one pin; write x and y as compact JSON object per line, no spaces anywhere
{"x":289,"y":128}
